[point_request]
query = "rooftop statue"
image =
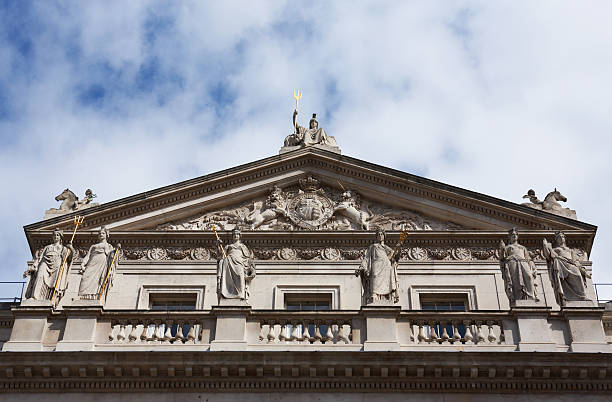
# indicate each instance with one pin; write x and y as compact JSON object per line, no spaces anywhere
{"x":313,"y":135}
{"x":567,"y":274}
{"x":550,"y":203}
{"x":518,"y":270}
{"x":71,"y":203}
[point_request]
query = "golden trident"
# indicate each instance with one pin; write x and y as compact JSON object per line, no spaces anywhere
{"x":297,"y":95}
{"x":78,"y":220}
{"x":108,"y":274}
{"x":214,"y":229}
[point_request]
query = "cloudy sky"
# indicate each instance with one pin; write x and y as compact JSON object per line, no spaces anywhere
{"x":125,"y":96}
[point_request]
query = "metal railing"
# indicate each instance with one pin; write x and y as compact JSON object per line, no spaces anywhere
{"x":607,"y":292}
{"x":13,"y":299}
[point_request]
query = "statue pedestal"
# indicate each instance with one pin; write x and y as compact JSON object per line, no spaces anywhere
{"x":534,"y":329}
{"x":29,"y":327}
{"x":230,"y":331}
{"x":586,"y":329}
{"x":381,"y":328}
{"x":81,"y":324}
{"x":320,"y":146}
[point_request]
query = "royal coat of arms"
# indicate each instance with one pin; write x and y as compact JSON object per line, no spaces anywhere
{"x":310,"y":208}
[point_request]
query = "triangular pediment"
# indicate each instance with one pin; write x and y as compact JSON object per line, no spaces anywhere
{"x":380,"y":197}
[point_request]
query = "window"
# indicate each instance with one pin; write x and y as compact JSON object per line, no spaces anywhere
{"x":172,"y":301}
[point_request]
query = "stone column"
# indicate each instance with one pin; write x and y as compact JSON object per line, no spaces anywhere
{"x":380,"y":327}
{"x":230,"y":330}
{"x":534,"y":332}
{"x":81,"y":324}
{"x":586,"y":329}
{"x":29,"y":327}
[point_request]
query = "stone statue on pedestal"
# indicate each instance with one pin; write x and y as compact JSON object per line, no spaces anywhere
{"x":378,"y":272}
{"x":518,"y":270}
{"x":46,"y":269}
{"x":311,"y":136}
{"x":567,"y":274}
{"x":97,"y":267}
{"x":235,"y":270}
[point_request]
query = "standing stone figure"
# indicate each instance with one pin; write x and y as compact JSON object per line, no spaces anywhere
{"x":567,"y":274}
{"x":235,"y":270}
{"x":95,"y":266}
{"x":378,"y":272}
{"x":47,"y":267}
{"x":518,"y":270}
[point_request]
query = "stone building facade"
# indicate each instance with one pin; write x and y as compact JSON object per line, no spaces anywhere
{"x":314,"y":294}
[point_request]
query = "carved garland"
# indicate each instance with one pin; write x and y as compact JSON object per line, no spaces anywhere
{"x":409,"y":254}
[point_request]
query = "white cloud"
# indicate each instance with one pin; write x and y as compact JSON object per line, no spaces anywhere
{"x":494,"y":97}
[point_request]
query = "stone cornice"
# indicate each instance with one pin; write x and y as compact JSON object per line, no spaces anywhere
{"x":482,"y":372}
{"x":352,"y":171}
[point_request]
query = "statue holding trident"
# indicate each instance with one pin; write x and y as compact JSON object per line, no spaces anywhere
{"x":313,"y":135}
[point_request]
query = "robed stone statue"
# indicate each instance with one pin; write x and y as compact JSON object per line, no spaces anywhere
{"x":567,"y":274}
{"x":518,"y":270}
{"x":46,"y":270}
{"x":235,"y":269}
{"x":97,"y":267}
{"x":378,"y":272}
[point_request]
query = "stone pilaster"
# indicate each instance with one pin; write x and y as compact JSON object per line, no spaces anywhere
{"x":381,"y":328}
{"x":230,"y":330}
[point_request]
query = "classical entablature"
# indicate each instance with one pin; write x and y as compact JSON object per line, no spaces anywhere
{"x":313,"y":189}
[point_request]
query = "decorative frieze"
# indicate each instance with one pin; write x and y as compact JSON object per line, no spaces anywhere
{"x":321,"y":253}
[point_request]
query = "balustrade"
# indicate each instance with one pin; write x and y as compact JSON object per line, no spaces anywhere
{"x":306,"y":329}
{"x":154,"y":331}
{"x":461,"y":328}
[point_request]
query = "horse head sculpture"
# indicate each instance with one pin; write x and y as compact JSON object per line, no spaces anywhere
{"x":68,"y":200}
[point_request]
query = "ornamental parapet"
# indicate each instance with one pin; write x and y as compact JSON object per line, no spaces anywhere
{"x":382,"y":328}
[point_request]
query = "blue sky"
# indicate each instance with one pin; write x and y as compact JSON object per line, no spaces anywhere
{"x":122,"y":97}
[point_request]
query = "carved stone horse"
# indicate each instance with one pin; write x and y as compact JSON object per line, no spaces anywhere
{"x":68,"y":200}
{"x":550,"y":201}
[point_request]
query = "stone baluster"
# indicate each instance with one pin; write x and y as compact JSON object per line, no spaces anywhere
{"x":133,"y":336}
{"x":306,"y":333}
{"x":191,"y":334}
{"x":121,"y":333}
{"x":492,"y":338}
{"x":329,"y":335}
{"x":273,"y":332}
{"x":157,"y":327}
{"x":145,"y":328}
{"x":433,"y":336}
{"x":179,"y":332}
{"x":111,"y":334}
{"x":468,"y":338}
{"x":421,"y":337}
{"x":167,"y":331}
{"x":283,"y":336}
{"x":342,"y":337}
{"x":479,"y":334}
{"x":445,"y":337}
{"x":317,"y":332}
{"x":456,"y":334}
{"x":295,"y":333}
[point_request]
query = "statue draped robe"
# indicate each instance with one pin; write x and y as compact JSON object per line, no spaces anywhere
{"x":95,"y":266}
{"x":566,"y":274}
{"x":518,"y":273}
{"x":232,"y":271}
{"x":48,"y":266}
{"x":380,"y":273}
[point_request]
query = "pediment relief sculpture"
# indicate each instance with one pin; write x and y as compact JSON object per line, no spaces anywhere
{"x":311,"y":206}
{"x":550,"y":203}
{"x":70,"y":203}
